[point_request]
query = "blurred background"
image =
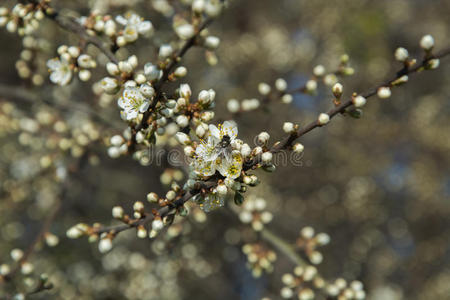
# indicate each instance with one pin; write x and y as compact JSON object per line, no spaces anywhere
{"x":378,"y":185}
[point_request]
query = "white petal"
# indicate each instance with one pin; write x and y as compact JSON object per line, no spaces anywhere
{"x":214,"y":132}
{"x":145,"y":27}
{"x":230,"y":129}
{"x":144,"y":106}
{"x":53,"y":64}
{"x":131,"y":114}
{"x":121,"y":20}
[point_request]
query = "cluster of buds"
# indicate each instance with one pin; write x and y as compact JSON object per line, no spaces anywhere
{"x":23,"y":18}
{"x":70,"y":61}
{"x":309,"y":242}
{"x":46,"y":131}
{"x":341,"y":290}
{"x":123,"y":30}
{"x":138,"y":219}
{"x":259,"y":258}
{"x":26,"y":66}
{"x":279,"y":88}
{"x":117,"y":146}
{"x":402,"y":55}
{"x":301,"y":283}
{"x":305,"y":282}
{"x":253,"y":213}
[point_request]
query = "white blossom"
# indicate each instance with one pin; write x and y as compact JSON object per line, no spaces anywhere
{"x":60,"y":71}
{"x":214,"y":153}
{"x":133,"y":102}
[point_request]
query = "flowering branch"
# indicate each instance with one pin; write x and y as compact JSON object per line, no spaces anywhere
{"x":288,"y":141}
{"x":70,"y":24}
{"x":165,"y":77}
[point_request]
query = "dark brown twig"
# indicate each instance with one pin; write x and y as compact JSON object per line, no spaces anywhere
{"x":288,"y":141}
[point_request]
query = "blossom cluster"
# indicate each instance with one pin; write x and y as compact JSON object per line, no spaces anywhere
{"x":70,"y":61}
{"x":253,"y":212}
{"x":309,"y":242}
{"x":305,"y":281}
{"x":123,"y":30}
{"x":23,"y":18}
{"x":279,"y":90}
{"x":259,"y":258}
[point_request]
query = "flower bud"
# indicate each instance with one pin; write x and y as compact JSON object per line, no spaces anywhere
{"x":147,"y":90}
{"x":266,"y":157}
{"x":183,"y":138}
{"x":384,"y":92}
{"x":323,"y":119}
{"x":337,"y":90}
{"x":264,"y":88}
{"x":184,"y":32}
{"x":165,"y":51}
{"x":233,"y":105}
{"x":182,"y":121}
{"x":319,"y":70}
{"x":180,"y":71}
{"x":152,"y":72}
{"x":152,"y":197}
{"x":311,"y":85}
{"x":185,"y":91}
{"x":117,"y":212}
{"x":281,"y":84}
{"x":112,"y":69}
{"x":359,"y":101}
{"x":212,"y":42}
{"x":105,"y":245}
{"x":401,"y":54}
{"x":427,"y":42}
{"x":288,"y":127}
{"x":263,"y":137}
{"x":298,"y":148}
{"x":157,"y":224}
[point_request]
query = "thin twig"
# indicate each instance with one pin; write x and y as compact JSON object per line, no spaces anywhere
{"x":283,"y":247}
{"x":288,"y":141}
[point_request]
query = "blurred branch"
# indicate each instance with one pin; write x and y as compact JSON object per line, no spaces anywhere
{"x":283,"y":247}
{"x":21,"y":94}
{"x":75,"y":167}
{"x":288,"y":141}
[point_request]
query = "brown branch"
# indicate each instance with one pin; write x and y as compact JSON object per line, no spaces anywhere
{"x":288,"y":141}
{"x":164,"y":211}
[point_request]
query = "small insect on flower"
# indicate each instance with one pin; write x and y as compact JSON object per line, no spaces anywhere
{"x":216,"y":152}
